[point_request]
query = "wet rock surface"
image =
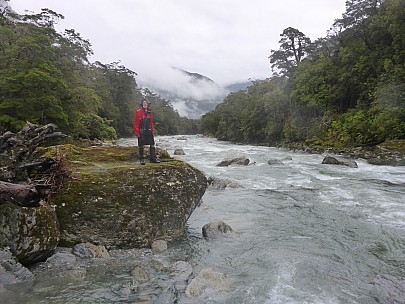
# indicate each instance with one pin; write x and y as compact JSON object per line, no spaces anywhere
{"x":11,"y":271}
{"x":112,"y":200}
{"x":216,"y":229}
{"x":179,"y":151}
{"x":330,"y":160}
{"x":221,"y":183}
{"x":129,"y":276}
{"x":32,"y":234}
{"x":241,"y":161}
{"x":389,"y":153}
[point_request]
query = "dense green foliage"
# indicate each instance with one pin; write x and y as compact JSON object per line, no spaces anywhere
{"x":46,"y":77}
{"x":342,"y":90}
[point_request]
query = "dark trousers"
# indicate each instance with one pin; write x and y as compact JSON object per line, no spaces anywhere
{"x":152,"y":150}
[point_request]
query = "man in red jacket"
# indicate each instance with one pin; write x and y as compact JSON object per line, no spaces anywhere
{"x":144,"y":130}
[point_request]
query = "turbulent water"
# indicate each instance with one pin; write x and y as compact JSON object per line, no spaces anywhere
{"x":304,"y":232}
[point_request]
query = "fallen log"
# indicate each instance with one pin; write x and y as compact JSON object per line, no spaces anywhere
{"x":19,"y":194}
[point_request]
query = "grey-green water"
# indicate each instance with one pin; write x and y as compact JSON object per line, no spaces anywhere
{"x":304,"y":232}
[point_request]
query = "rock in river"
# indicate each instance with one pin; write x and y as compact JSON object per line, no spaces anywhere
{"x":113,"y":201}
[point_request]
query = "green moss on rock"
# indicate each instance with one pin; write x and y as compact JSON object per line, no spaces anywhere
{"x":32,"y":234}
{"x":394,"y":146}
{"x":113,"y":200}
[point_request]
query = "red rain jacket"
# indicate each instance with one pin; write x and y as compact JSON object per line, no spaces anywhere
{"x":140,"y":114}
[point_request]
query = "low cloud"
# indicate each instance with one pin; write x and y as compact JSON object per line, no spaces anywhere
{"x":181,"y":85}
{"x":192,"y":95}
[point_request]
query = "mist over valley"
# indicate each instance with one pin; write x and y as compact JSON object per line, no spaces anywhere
{"x":191,"y":94}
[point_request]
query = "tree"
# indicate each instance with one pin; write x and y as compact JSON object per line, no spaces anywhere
{"x":315,"y":83}
{"x":31,"y":83}
{"x":293,"y":45}
{"x":358,"y":11}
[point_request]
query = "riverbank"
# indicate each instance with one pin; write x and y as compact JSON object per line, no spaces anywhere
{"x":388,"y":153}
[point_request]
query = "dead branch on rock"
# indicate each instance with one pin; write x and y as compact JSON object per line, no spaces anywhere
{"x":26,"y":178}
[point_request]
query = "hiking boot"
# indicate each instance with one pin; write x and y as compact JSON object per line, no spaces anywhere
{"x":141,"y":156}
{"x":153,"y":158}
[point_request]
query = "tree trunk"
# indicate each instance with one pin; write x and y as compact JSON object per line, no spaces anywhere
{"x":19,"y":194}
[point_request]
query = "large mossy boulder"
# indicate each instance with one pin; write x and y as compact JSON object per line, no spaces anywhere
{"x":114,"y":201}
{"x":31,"y":234}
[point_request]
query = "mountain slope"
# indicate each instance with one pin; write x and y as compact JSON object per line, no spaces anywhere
{"x":191,"y":94}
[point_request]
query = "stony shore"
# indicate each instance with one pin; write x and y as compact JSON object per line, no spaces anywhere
{"x":389,"y":153}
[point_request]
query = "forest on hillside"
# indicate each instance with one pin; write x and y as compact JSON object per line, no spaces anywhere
{"x":46,"y":77}
{"x":346,"y":89}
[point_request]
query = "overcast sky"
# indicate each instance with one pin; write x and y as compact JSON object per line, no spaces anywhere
{"x":226,"y":40}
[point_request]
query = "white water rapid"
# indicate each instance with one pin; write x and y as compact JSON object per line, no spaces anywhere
{"x":305,"y":232}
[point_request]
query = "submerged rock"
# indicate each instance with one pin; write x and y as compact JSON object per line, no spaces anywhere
{"x":112,"y":200}
{"x":207,"y":278}
{"x":140,"y":274}
{"x":343,"y":162}
{"x":216,"y":229}
{"x":275,"y":161}
{"x":60,"y":258}
{"x":220,"y":183}
{"x":88,"y":250}
{"x":11,"y":271}
{"x":182,"y":270}
{"x":243,"y":161}
{"x":159,"y":246}
{"x":179,"y":151}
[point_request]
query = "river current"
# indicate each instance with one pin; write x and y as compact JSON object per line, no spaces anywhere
{"x":304,"y":232}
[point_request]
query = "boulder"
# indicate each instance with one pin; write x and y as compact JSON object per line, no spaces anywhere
{"x":387,"y":161}
{"x":335,"y":161}
{"x":220,"y":184}
{"x":32,"y":234}
{"x":88,"y":250}
{"x":235,"y":161}
{"x":140,"y":274}
{"x":179,"y":151}
{"x":60,"y":258}
{"x":159,"y":246}
{"x":112,"y":200}
{"x":207,"y":278}
{"x":216,"y":229}
{"x":275,"y":161}
{"x":388,"y":153}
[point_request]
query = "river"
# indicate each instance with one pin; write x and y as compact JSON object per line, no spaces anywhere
{"x":304,"y":232}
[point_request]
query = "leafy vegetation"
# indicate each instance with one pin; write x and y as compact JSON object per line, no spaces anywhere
{"x":347,"y":89}
{"x":46,"y":77}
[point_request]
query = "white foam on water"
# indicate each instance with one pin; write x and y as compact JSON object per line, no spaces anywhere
{"x":285,"y":292}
